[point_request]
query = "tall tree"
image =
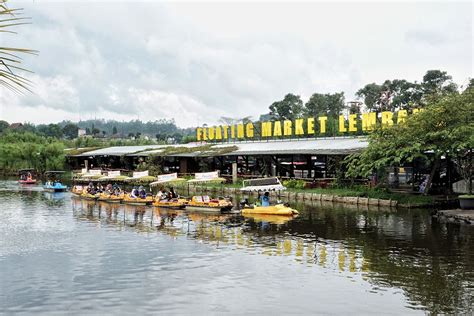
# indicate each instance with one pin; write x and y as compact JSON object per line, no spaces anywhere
{"x":437,"y":82}
{"x":50,"y":130}
{"x":445,"y":127}
{"x":70,"y":130}
{"x":289,"y":108}
{"x":114,"y":130}
{"x":402,"y":94}
{"x":325,"y":104}
{"x":3,"y":125}
{"x":371,"y":94}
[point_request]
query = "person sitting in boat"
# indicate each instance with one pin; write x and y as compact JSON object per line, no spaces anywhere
{"x":22,"y":177}
{"x":142,"y":192}
{"x":108,"y":189}
{"x":134,"y":193}
{"x":265,"y":199}
{"x":29,"y":177}
{"x":160,"y":195}
{"x":259,"y":198}
{"x":116,"y":189}
{"x":91,"y":189}
{"x":172,"y":194}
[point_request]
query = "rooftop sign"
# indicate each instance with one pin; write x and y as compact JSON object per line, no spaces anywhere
{"x":309,"y":127}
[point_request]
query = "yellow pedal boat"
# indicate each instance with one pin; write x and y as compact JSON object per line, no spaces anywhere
{"x":175,"y":204}
{"x":279,"y":209}
{"x":87,"y":196}
{"x":111,"y":198}
{"x":137,"y":201}
{"x":77,"y":191}
{"x":205,"y":204}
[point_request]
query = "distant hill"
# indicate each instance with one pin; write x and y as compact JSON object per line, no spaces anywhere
{"x":154,"y":129}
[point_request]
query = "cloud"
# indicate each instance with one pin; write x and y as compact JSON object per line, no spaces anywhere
{"x":197,"y":62}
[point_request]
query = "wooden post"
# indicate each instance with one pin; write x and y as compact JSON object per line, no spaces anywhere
{"x":448,"y":173}
{"x":234,"y":172}
{"x":470,"y":172}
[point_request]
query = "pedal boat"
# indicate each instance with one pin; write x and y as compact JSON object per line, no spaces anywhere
{"x":54,"y":187}
{"x":77,"y":192}
{"x":90,"y":197}
{"x":27,"y":181}
{"x":137,"y":201}
{"x":111,"y":198}
{"x":205,"y":204}
{"x":26,"y":176}
{"x":174,"y":203}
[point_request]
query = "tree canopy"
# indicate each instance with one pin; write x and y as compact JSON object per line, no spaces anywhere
{"x":289,"y":108}
{"x":70,"y":130}
{"x":445,"y":126}
{"x":325,"y":104}
{"x":402,"y":94}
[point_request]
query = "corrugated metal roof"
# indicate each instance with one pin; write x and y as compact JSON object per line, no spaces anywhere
{"x":320,"y":146}
{"x":132,"y":150}
{"x":119,"y":150}
{"x":146,"y":153}
{"x":314,"y":146}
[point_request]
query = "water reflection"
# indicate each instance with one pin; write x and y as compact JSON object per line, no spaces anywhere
{"x":129,"y":259}
{"x":431,"y":262}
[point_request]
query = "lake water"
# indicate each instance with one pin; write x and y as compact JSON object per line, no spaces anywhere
{"x":60,"y":255}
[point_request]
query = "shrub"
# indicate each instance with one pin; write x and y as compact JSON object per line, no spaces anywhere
{"x":294,"y":184}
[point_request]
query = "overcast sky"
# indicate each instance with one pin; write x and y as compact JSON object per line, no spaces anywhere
{"x":195,"y":62}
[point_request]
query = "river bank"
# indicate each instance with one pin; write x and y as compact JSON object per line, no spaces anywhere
{"x":355,"y":196}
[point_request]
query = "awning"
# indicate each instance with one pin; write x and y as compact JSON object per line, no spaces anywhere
{"x":167,"y":178}
{"x":276,"y":187}
{"x":207,"y":177}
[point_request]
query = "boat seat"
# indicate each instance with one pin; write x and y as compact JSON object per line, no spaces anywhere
{"x":197,"y":199}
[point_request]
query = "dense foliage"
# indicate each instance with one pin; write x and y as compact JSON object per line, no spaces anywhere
{"x":390,"y":95}
{"x":28,"y":150}
{"x":445,"y":127}
{"x":20,"y":149}
{"x":160,"y":131}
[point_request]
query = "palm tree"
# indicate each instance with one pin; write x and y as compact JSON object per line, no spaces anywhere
{"x":10,"y":60}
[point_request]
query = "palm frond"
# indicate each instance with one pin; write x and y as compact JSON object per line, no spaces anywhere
{"x":10,"y":60}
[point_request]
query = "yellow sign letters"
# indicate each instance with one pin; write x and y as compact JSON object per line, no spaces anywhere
{"x":310,"y":126}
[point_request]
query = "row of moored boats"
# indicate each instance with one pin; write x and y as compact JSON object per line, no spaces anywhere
{"x":112,"y":194}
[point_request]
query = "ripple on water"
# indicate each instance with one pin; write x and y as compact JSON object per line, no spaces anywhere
{"x":78,"y":257}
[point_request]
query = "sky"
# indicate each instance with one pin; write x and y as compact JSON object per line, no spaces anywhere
{"x":195,"y":62}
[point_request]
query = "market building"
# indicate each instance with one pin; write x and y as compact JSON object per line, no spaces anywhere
{"x":293,"y":158}
{"x":310,"y":148}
